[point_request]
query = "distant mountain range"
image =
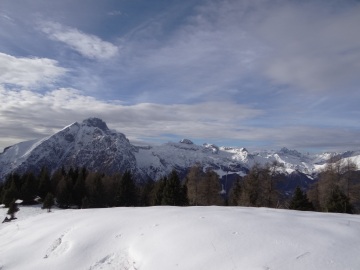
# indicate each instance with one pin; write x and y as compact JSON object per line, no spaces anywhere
{"x":93,"y":145}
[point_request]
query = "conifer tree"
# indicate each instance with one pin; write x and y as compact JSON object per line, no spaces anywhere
{"x":29,"y":188}
{"x":338,"y":202}
{"x":171,"y":193}
{"x":159,"y":190}
{"x":85,"y":203}
{"x":95,"y":189}
{"x":64,"y":192}
{"x":79,"y":189}
{"x":235,"y":194}
{"x":146,"y":192}
{"x":13,"y":208}
{"x":44,"y":183}
{"x":11,"y":193}
{"x":127,"y":191}
{"x":48,"y":202}
{"x":300,"y":201}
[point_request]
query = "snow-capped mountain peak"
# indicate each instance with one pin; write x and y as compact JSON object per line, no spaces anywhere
{"x":93,"y":145}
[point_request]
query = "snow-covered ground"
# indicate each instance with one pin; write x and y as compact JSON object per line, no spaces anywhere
{"x":179,"y":238}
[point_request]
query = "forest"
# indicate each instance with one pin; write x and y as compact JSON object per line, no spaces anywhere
{"x":337,"y":189}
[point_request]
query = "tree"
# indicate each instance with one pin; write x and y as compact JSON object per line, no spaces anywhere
{"x":95,"y":190}
{"x":338,"y":202}
{"x":127,"y":191}
{"x":13,"y":208}
{"x":11,"y":193}
{"x":146,"y":192}
{"x":193,"y":180}
{"x":251,"y":190}
{"x":29,"y":188}
{"x":300,"y":201}
{"x":85,"y":203}
{"x":159,"y":190}
{"x":172,"y":189}
{"x":269,"y":180}
{"x":203,"y":187}
{"x":44,"y":183}
{"x":79,"y":189}
{"x":48,"y":202}
{"x":235,"y":193}
{"x":64,"y":192}
{"x":210,"y":189}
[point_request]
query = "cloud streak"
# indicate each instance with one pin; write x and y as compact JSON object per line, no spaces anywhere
{"x":89,"y":46}
{"x":29,"y":72}
{"x":33,"y":115}
{"x":19,"y":108}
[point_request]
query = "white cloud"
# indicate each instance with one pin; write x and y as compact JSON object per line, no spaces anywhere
{"x":31,"y":115}
{"x":27,"y":115}
{"x":29,"y":72}
{"x":87,"y":45}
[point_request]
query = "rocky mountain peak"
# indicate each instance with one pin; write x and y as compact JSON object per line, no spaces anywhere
{"x":95,"y":122}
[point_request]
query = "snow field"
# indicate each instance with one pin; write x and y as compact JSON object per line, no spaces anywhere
{"x":179,"y":238}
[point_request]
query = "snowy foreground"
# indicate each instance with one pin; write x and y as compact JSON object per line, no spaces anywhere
{"x":179,"y":238}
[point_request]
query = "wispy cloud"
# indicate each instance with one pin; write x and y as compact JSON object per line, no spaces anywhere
{"x":87,"y":45}
{"x":312,"y":46}
{"x":29,"y":72}
{"x":19,"y":108}
{"x":23,"y":113}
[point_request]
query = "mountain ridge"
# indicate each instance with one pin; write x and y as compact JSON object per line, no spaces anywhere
{"x":93,"y":145}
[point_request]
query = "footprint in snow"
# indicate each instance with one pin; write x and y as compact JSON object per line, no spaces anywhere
{"x":59,"y":246}
{"x":115,"y":261}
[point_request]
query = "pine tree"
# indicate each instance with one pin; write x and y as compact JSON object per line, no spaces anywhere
{"x":95,"y":190}
{"x":64,"y":192}
{"x":338,"y":202}
{"x":11,"y":193}
{"x":44,"y":183}
{"x":48,"y":202}
{"x":127,"y":192}
{"x":159,"y":190}
{"x":146,"y":193}
{"x":13,"y":208}
{"x":29,"y":188}
{"x":79,"y":189}
{"x":171,"y":190}
{"x":235,"y":194}
{"x":85,"y":203}
{"x":300,"y":201}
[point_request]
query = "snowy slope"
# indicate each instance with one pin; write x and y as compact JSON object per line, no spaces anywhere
{"x":92,"y":144}
{"x":166,"y":238}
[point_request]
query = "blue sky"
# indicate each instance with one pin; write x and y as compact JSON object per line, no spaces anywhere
{"x":255,"y":74}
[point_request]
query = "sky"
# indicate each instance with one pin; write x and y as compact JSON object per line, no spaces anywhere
{"x":261,"y":74}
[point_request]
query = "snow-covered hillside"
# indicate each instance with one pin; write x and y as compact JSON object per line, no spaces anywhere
{"x":166,"y":238}
{"x":93,"y":145}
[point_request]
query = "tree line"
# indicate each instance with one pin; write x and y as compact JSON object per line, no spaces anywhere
{"x":337,"y":189}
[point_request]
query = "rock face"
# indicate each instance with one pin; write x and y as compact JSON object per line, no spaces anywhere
{"x":93,"y":145}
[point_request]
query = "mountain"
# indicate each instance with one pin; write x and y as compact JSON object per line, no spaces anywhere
{"x":93,"y":145}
